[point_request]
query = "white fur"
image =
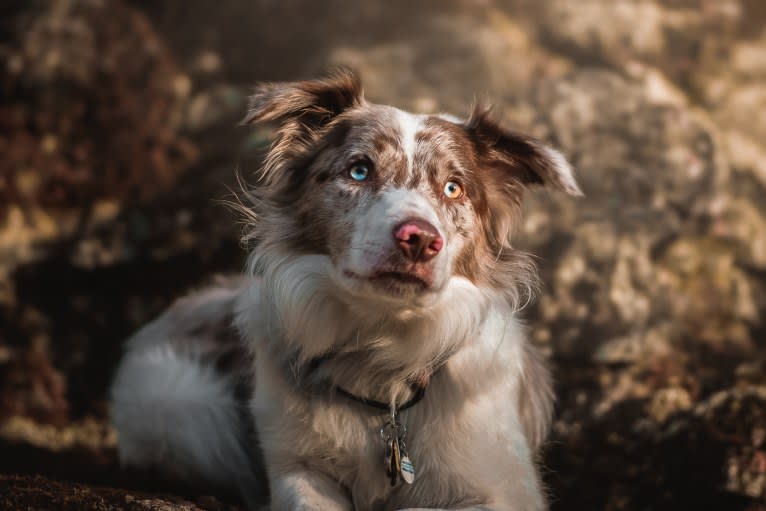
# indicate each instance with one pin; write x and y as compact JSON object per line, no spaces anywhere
{"x":173,"y":410}
{"x":454,"y":119}
{"x":178,"y":415}
{"x":409,"y":125}
{"x":372,"y":241}
{"x":465,"y":436}
{"x":563,"y":170}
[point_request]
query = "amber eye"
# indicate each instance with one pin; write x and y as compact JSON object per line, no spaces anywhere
{"x":453,"y":190}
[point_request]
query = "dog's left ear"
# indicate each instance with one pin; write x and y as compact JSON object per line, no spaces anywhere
{"x":518,"y":157}
{"x":301,"y":108}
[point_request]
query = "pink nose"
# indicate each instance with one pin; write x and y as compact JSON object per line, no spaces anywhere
{"x":418,"y":240}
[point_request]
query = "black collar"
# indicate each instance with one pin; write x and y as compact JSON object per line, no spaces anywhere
{"x":418,"y":390}
{"x":418,"y":393}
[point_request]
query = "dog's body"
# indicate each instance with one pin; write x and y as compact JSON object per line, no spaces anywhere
{"x":381,"y":269}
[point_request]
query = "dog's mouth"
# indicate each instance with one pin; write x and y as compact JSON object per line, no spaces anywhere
{"x":400,"y":278}
{"x":394,"y":280}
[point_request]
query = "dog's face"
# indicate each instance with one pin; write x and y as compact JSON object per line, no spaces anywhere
{"x":388,"y":197}
{"x":401,"y":204}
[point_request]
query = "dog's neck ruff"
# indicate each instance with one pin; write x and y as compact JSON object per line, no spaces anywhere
{"x":418,"y":390}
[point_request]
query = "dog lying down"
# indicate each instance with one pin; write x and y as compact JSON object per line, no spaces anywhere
{"x":371,"y":358}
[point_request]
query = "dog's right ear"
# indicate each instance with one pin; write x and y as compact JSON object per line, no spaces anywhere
{"x":300,"y":109}
{"x":518,"y":158}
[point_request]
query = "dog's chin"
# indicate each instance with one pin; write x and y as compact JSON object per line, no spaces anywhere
{"x":399,"y":283}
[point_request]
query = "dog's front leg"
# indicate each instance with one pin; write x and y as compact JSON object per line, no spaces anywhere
{"x":481,"y":508}
{"x":473,"y":508}
{"x":305,"y":490}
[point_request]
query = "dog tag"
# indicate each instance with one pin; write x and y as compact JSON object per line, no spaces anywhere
{"x":397,"y":461}
{"x":407,"y":469}
{"x":393,"y":461}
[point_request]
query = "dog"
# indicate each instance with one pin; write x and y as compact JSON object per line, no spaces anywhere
{"x":371,"y":357}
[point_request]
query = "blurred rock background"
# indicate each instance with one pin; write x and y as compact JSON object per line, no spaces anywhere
{"x":119,"y":141}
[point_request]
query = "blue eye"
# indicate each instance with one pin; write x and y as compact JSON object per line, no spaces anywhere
{"x":359,"y":171}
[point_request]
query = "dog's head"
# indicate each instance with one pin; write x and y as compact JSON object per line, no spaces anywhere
{"x":399,"y":204}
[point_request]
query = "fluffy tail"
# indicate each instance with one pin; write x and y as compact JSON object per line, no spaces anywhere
{"x":177,"y":410}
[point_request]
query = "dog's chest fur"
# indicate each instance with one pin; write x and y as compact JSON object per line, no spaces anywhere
{"x":447,"y":431}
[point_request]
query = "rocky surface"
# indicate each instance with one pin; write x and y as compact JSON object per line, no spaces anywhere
{"x":118,"y":120}
{"x":39,"y":493}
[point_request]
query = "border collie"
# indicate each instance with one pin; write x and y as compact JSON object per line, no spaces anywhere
{"x":371,"y":357}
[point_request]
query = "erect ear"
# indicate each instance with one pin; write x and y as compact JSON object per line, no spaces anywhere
{"x":301,"y":108}
{"x":520,"y":157}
